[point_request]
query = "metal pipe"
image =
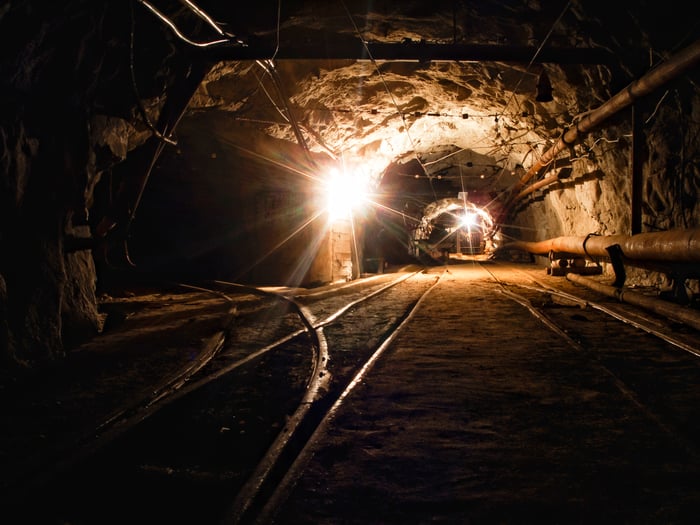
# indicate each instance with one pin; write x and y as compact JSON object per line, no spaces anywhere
{"x":542,"y":183}
{"x":673,"y":311}
{"x":661,"y":74}
{"x":674,"y":246}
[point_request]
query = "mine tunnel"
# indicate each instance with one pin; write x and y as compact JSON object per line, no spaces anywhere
{"x":300,"y":145}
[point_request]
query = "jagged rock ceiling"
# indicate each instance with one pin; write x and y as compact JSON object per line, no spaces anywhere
{"x":462,"y":121}
{"x":426,"y":99}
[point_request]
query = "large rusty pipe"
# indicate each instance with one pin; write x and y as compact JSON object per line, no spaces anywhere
{"x":547,"y":181}
{"x":676,"y":246}
{"x":657,"y":77}
{"x":667,"y":309}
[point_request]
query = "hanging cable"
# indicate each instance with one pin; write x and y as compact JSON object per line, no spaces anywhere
{"x":134,"y":86}
{"x":267,"y":93}
{"x":393,"y":100}
{"x":269,"y":67}
{"x":277,"y":46}
{"x":177,"y":32}
{"x":534,"y":57}
{"x":201,"y":14}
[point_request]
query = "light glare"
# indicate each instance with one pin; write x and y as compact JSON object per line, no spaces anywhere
{"x":468,"y":219}
{"x":344,"y":193}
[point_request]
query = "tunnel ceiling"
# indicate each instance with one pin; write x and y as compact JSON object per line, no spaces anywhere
{"x":438,"y":92}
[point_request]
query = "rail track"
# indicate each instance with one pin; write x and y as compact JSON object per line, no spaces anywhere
{"x":243,"y":404}
{"x":628,"y":345}
{"x":628,"y":355}
{"x":227,"y":439}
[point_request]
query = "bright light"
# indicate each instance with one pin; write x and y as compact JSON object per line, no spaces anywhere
{"x":345,"y":193}
{"x":475,"y":219}
{"x":468,"y":219}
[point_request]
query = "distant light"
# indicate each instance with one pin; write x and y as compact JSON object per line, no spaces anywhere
{"x":468,"y":220}
{"x":473,"y":218}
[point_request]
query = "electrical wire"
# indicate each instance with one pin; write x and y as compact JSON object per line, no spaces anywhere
{"x":177,"y":32}
{"x":656,"y":108}
{"x":134,"y":86}
{"x":391,"y":95}
{"x":279,"y":13}
{"x":201,"y":14}
{"x":267,"y":93}
{"x":534,"y":57}
{"x":269,"y":67}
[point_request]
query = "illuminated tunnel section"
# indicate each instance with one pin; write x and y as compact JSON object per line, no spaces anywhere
{"x":453,"y":225}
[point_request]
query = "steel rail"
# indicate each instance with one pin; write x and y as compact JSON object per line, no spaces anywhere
{"x":281,"y":491}
{"x":618,"y":316}
{"x":670,"y":310}
{"x":623,"y":388}
{"x":250,"y":490}
{"x":181,"y":385}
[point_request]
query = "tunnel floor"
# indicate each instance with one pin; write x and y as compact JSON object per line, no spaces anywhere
{"x":479,"y":414}
{"x":476,"y":414}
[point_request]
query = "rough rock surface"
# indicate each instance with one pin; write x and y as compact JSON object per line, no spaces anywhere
{"x":84,"y":85}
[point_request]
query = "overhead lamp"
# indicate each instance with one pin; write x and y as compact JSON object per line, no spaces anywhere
{"x":544,"y":88}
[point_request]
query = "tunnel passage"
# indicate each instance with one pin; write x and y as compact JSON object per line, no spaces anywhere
{"x":162,"y":133}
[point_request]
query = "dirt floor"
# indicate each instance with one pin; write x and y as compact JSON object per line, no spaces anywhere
{"x":147,"y":336}
{"x":475,"y":414}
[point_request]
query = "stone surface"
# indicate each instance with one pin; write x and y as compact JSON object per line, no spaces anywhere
{"x":86,"y":82}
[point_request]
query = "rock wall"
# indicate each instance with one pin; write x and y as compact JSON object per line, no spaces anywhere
{"x":65,"y":120}
{"x":595,"y":197}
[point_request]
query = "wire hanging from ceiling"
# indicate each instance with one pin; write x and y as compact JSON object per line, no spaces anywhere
{"x":534,"y":57}
{"x":279,"y":14}
{"x":134,"y":86}
{"x":179,"y":33}
{"x":267,"y":93}
{"x":391,"y":95}
{"x":269,"y":67}
{"x":204,"y":16}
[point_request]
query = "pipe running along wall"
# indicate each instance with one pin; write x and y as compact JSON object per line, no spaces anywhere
{"x":674,"y":246}
{"x":657,"y":77}
{"x":667,"y":309}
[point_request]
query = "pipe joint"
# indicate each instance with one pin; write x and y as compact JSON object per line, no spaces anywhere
{"x":562,"y":137}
